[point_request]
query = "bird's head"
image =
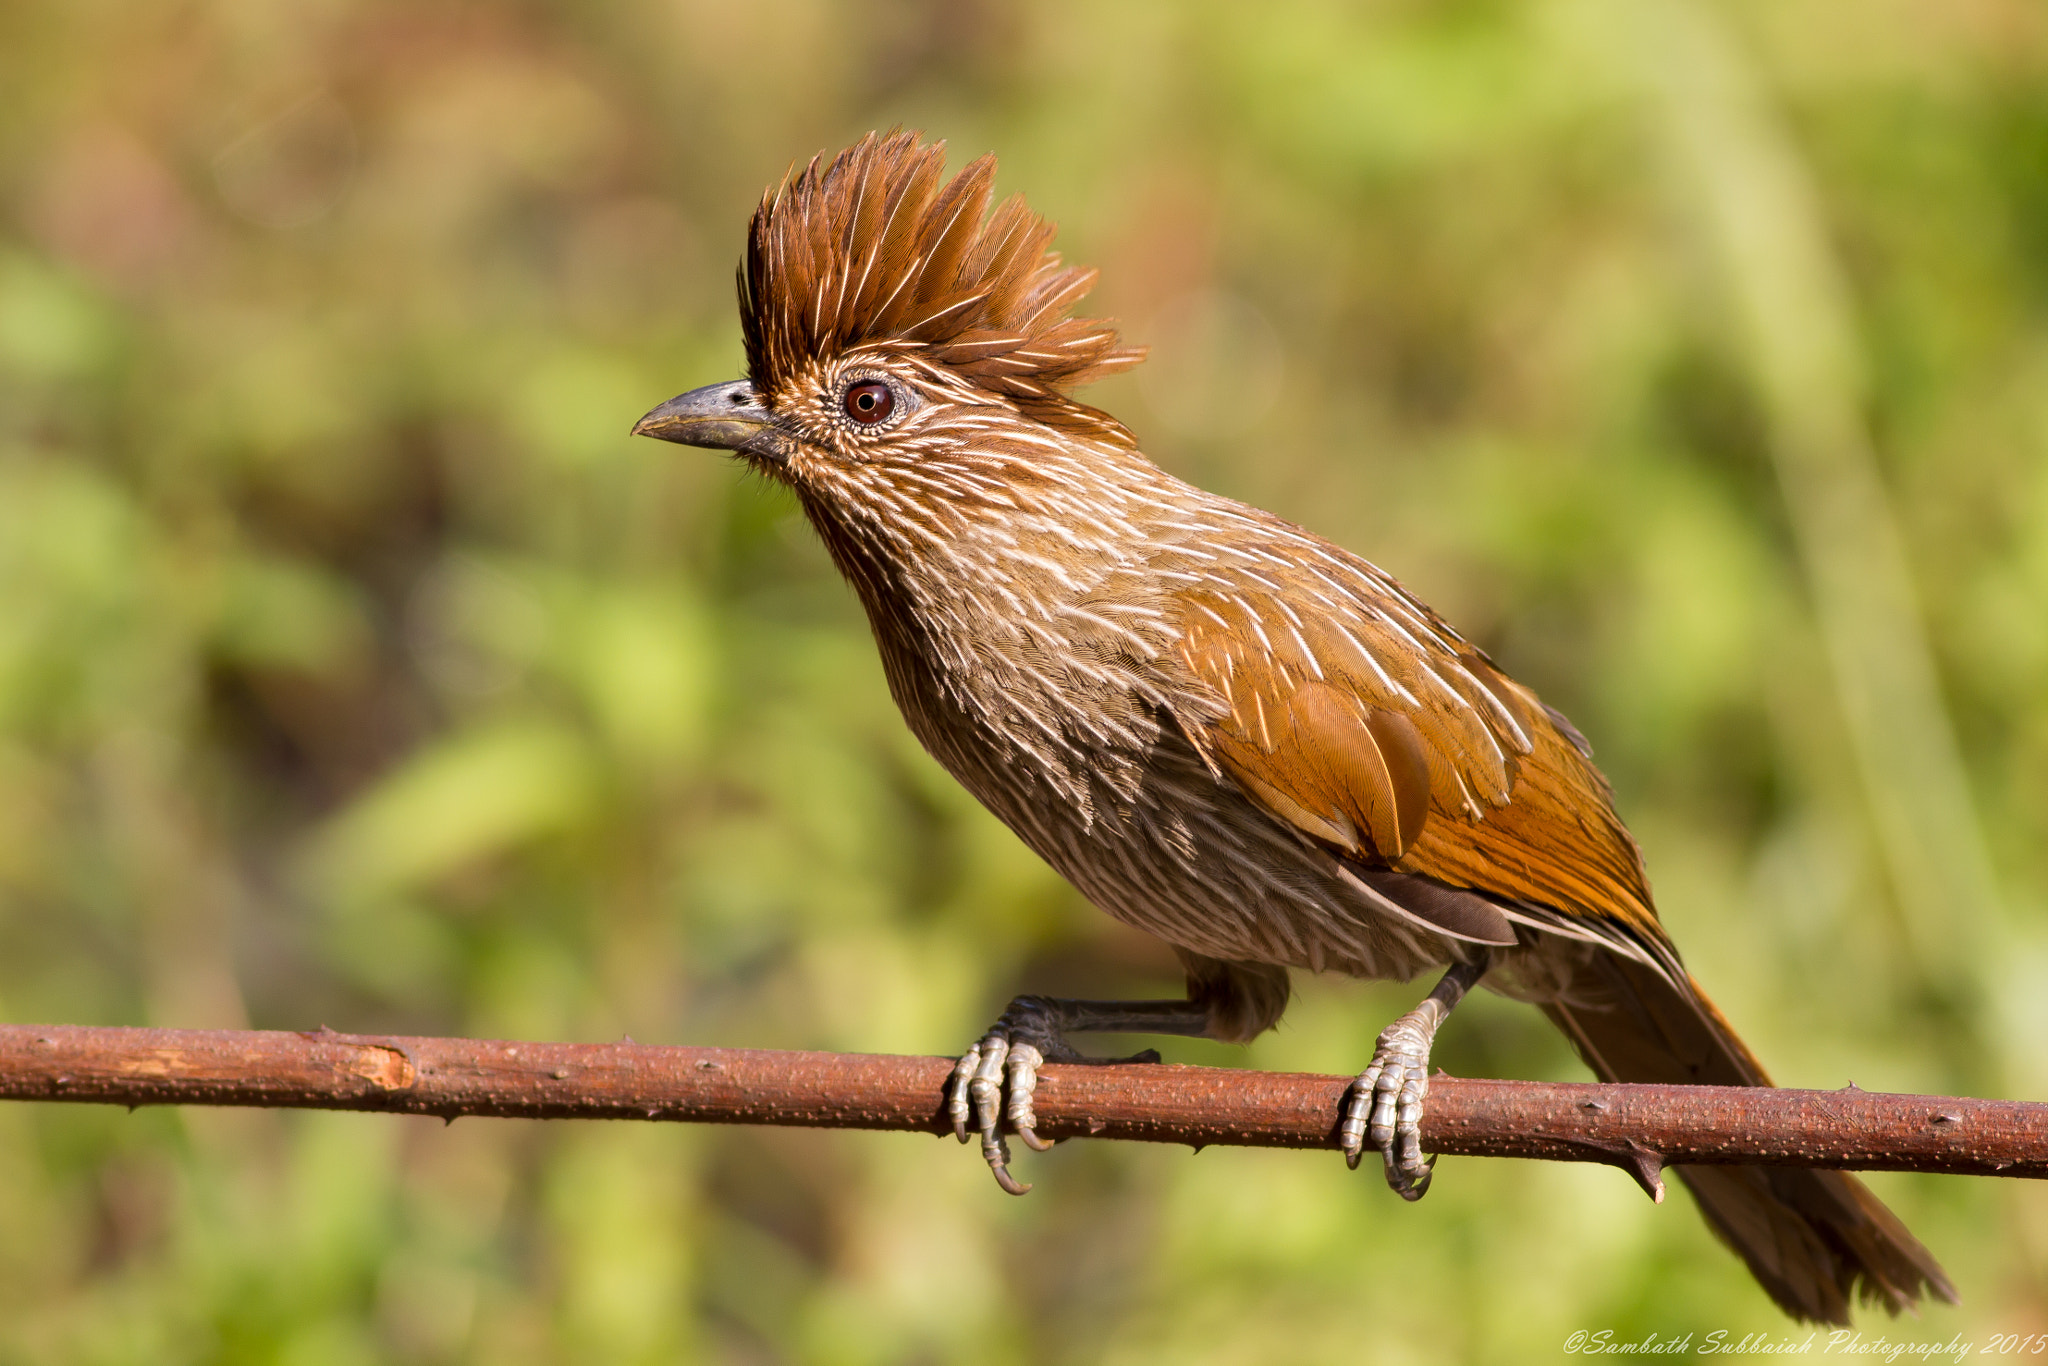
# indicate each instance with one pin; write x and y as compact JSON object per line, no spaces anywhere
{"x":908,"y":352}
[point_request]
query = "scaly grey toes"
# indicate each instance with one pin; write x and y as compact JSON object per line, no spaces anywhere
{"x":1006,"y":1060}
{"x":1385,"y":1109}
{"x":1025,"y":1060}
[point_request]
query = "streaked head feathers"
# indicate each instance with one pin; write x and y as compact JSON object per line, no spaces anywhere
{"x":874,"y":252}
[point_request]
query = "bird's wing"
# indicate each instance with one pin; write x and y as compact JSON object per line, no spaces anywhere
{"x":1350,"y":712}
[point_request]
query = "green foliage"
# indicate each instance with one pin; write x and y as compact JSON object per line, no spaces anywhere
{"x":357,"y":669}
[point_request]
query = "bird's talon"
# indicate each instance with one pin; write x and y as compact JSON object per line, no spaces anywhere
{"x":1384,"y":1109}
{"x":997,"y":1154}
{"x":957,"y":1093}
{"x":1025,"y":1059}
{"x":995,"y":1080}
{"x":986,"y":1087}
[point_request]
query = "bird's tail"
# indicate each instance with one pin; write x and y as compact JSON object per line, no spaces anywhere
{"x":1810,"y":1237}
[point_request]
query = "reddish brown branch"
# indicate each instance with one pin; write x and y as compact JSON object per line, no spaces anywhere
{"x":1635,"y":1127}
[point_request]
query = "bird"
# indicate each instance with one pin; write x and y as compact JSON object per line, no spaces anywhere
{"x":1222,"y":729}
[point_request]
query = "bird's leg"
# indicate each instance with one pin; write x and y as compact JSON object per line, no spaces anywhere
{"x":1032,"y":1032}
{"x":1385,"y":1103}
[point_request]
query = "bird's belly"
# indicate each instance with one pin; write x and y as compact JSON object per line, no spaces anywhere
{"x":1166,"y":846}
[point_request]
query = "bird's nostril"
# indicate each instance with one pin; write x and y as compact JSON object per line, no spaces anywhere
{"x":738,"y":397}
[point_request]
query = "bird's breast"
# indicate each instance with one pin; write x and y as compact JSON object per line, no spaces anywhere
{"x":1071,"y":739}
{"x":1035,"y":655}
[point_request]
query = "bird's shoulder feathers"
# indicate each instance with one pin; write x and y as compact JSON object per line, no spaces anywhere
{"x":1349,"y":711}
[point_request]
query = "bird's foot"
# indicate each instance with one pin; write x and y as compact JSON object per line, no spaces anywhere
{"x":1385,"y":1104}
{"x":994,"y":1081}
{"x":1006,"y":1062}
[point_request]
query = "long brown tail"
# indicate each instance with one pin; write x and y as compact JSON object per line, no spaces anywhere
{"x":1810,"y":1237}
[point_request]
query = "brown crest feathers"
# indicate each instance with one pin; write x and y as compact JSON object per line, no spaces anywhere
{"x":873,"y":250}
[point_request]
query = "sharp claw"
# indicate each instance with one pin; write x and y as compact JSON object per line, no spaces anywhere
{"x":1023,"y":1081}
{"x":986,"y":1089}
{"x":997,"y":1154}
{"x":1410,"y":1182}
{"x":1408,"y":1122}
{"x":986,"y":1086}
{"x":956,"y":1098}
{"x":1357,"y":1107}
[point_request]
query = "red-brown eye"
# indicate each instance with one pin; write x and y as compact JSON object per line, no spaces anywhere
{"x":869,"y":401}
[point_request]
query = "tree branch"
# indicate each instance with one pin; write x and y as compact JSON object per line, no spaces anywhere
{"x":1637,"y":1128}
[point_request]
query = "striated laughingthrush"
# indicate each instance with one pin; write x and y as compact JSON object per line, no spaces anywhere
{"x":1222,"y":729}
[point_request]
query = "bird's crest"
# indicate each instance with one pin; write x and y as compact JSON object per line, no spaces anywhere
{"x":874,"y":251}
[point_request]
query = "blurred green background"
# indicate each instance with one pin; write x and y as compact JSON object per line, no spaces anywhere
{"x":357,"y":669}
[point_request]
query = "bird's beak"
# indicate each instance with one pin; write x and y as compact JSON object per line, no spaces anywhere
{"x":725,"y":417}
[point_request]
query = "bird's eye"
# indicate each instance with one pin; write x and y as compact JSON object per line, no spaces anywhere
{"x":869,"y":401}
